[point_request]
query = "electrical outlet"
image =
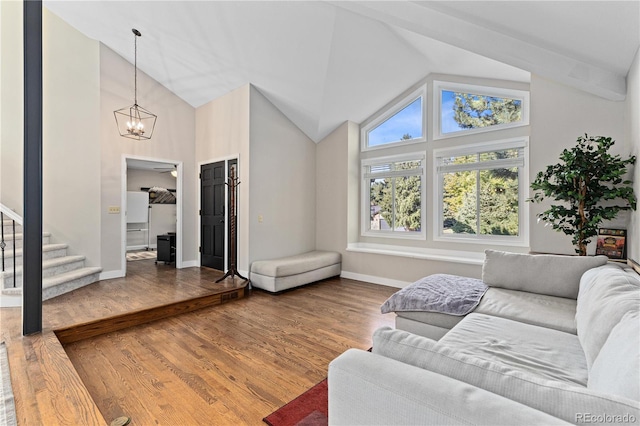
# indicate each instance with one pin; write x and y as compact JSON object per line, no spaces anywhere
{"x":114,"y":209}
{"x":260,"y":218}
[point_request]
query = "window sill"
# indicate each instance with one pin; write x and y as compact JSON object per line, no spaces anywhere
{"x":454,"y":256}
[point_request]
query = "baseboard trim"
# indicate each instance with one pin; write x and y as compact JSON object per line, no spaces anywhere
{"x":189,"y":264}
{"x":109,"y":275}
{"x":375,"y":280}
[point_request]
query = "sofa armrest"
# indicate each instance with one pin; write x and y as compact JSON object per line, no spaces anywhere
{"x":369,"y":389}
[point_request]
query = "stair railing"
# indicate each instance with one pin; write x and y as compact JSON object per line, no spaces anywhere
{"x":6,"y":212}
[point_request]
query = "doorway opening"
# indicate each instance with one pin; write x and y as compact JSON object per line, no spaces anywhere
{"x":152,"y":213}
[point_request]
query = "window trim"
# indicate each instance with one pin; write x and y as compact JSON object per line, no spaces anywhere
{"x":389,"y":112}
{"x":365,"y":206}
{"x":439,"y":86}
{"x":522,"y":240}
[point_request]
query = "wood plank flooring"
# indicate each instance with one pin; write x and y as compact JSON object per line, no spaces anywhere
{"x":229,"y":364}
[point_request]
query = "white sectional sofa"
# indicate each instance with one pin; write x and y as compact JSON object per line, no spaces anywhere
{"x":522,"y":357}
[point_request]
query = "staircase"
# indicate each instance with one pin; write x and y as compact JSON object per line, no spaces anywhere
{"x":61,"y":273}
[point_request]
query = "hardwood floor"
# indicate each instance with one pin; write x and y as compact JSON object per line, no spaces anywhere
{"x":229,"y":364}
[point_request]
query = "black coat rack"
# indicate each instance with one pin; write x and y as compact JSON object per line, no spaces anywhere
{"x":232,"y":184}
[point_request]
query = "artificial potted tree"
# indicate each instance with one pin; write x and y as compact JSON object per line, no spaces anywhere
{"x":589,"y":182}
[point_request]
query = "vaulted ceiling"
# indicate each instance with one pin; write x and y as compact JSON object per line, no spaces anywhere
{"x":324,"y":62}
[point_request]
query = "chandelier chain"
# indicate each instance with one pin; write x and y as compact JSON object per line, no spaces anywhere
{"x":135,"y":69}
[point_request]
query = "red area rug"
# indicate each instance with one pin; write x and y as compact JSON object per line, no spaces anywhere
{"x":309,"y":409}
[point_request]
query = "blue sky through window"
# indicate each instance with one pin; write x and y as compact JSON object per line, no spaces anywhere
{"x":406,"y":121}
{"x":448,"y":124}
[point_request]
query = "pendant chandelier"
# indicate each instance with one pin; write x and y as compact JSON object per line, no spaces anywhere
{"x":135,"y":122}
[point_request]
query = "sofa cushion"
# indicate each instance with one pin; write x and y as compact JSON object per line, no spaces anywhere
{"x":616,"y":369}
{"x":435,"y":318}
{"x":536,"y":350}
{"x":537,"y":309}
{"x":552,"y":275}
{"x":606,"y":294}
{"x":560,"y":399}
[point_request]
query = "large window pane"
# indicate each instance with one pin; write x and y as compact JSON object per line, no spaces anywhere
{"x":380,"y":202}
{"x":499,"y":202}
{"x":464,"y":111}
{"x":459,"y":203}
{"x":395,"y":204}
{"x":406,"y":124}
{"x":407,"y":204}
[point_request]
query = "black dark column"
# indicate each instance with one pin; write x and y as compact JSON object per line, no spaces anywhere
{"x":32,"y":226}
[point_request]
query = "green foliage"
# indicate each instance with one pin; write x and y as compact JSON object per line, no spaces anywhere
{"x":473,"y":111}
{"x":498,"y":213}
{"x":408,"y":201}
{"x":587,"y":176}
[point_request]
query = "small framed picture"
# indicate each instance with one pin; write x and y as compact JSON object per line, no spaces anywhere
{"x":612,"y":243}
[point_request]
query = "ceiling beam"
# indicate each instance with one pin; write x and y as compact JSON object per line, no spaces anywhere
{"x":425,"y":19}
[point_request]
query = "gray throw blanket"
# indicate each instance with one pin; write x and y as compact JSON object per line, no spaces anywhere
{"x":449,"y":294}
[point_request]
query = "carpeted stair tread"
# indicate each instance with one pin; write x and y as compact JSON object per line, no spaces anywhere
{"x":69,"y":276}
{"x":45,"y":248}
{"x":48,"y":263}
{"x":20,"y":236}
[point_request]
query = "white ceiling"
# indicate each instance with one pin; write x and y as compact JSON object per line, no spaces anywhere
{"x":324,"y":62}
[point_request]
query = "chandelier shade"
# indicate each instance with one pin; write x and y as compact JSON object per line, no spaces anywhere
{"x":135,"y":122}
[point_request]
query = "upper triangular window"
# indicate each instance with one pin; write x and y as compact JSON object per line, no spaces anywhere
{"x":402,"y":123}
{"x":472,"y":109}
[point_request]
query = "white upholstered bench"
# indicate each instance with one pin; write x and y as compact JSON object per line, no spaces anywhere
{"x":287,"y":272}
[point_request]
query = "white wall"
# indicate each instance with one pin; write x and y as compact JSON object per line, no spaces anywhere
{"x":71,"y":127}
{"x":173,"y":142}
{"x":559,"y":115}
{"x":222,"y":132}
{"x":283,"y":184}
{"x":632,"y":137}
{"x":11,"y":109}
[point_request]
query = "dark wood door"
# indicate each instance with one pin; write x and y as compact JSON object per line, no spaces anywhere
{"x":212,"y":212}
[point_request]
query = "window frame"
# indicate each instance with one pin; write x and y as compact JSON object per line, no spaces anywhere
{"x":365,"y":201}
{"x":522,"y":239}
{"x":388,"y":112}
{"x":440,"y":86}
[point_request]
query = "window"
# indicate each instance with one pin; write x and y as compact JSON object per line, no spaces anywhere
{"x":393,"y":196}
{"x":480,"y":191}
{"x":464,"y":108}
{"x":401,"y":124}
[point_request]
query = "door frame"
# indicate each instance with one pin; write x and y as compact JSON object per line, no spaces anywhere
{"x":226,"y":160}
{"x":123,"y":204}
